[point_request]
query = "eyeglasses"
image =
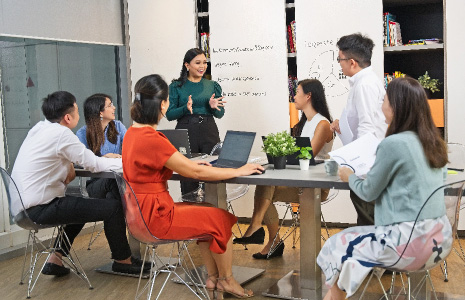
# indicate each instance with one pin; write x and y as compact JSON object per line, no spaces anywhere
{"x":339,"y":59}
{"x":110,"y":105}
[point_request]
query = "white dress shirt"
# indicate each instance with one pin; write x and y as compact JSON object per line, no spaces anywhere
{"x":44,"y":160}
{"x":363,"y":108}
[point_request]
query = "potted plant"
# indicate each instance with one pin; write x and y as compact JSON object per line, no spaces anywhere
{"x":429,"y":84}
{"x":304,"y":157}
{"x":278,"y":146}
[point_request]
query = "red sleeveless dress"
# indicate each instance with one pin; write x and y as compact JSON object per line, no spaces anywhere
{"x":145,"y":152}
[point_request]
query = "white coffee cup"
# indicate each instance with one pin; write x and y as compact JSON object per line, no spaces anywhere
{"x":331,"y":167}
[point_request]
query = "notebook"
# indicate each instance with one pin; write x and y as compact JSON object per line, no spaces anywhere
{"x":236,"y":149}
{"x":292,"y":158}
{"x":180,"y":140}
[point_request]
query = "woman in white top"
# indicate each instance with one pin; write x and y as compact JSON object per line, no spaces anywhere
{"x":315,"y":124}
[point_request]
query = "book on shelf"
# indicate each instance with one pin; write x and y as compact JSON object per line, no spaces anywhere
{"x":205,"y":43}
{"x":425,"y":41}
{"x":392,"y":34}
{"x":292,"y":84}
{"x":389,"y":77}
{"x":291,"y":37}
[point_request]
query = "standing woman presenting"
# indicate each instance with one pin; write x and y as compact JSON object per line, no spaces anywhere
{"x":194,"y":102}
{"x":103,"y":135}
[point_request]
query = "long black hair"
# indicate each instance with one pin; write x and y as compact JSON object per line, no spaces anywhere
{"x":318,"y":102}
{"x":188,"y":57}
{"x":95,"y":134}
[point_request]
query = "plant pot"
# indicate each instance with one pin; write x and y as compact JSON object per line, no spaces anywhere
{"x":279,"y":162}
{"x":304,"y":164}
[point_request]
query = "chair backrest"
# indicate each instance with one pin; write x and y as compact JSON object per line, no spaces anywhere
{"x":216,"y":150}
{"x":132,"y":213}
{"x":17,"y":210}
{"x":452,"y":195}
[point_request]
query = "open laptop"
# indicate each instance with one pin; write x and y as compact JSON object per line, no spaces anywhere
{"x":236,"y":149}
{"x":180,"y":140}
{"x":292,"y":158}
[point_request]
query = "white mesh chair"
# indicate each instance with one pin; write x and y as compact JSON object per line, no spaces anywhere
{"x":35,"y":248}
{"x":452,"y":198}
{"x":138,"y":229}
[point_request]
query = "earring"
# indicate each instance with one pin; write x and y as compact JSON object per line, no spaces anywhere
{"x":162,"y":107}
{"x":187,"y":70}
{"x":101,"y":118}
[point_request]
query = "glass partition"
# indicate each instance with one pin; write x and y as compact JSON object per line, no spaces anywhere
{"x":32,"y":69}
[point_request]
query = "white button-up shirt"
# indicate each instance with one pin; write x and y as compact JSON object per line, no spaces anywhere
{"x":363,"y":108}
{"x":43,"y":163}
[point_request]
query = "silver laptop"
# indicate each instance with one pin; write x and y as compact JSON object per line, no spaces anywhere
{"x":236,"y":149}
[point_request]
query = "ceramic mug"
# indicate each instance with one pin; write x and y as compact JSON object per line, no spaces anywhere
{"x":331,"y":167}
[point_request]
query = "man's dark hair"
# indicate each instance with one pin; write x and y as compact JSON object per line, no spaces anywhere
{"x":55,"y":106}
{"x":358,"y":47}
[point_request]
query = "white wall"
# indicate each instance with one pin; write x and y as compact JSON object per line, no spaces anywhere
{"x":74,"y":21}
{"x":455,"y":66}
{"x":160,"y":33}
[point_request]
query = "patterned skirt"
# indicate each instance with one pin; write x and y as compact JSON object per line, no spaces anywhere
{"x":348,"y":256}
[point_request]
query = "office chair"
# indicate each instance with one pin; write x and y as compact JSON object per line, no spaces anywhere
{"x":84,"y":193}
{"x":456,"y":156}
{"x":452,"y":198}
{"x":138,"y":229}
{"x":35,"y":248}
{"x":294,"y":210}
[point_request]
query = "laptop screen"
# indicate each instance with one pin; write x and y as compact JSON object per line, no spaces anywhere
{"x":236,"y":147}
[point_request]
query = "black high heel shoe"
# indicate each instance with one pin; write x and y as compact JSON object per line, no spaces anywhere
{"x":258,"y":237}
{"x":277,"y":252}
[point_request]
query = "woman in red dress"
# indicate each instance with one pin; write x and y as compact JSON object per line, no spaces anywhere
{"x":149,"y":160}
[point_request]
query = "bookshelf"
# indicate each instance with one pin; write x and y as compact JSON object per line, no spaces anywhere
{"x":419,"y":19}
{"x":291,"y":63}
{"x":203,"y":26}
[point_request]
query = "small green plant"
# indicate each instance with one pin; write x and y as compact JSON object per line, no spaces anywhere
{"x":429,"y":83}
{"x":279,"y":144}
{"x":305,"y":153}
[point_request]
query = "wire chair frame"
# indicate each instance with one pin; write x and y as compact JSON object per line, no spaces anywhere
{"x":294,"y":210}
{"x":179,"y":256}
{"x":457,"y":188}
{"x":36,"y":248}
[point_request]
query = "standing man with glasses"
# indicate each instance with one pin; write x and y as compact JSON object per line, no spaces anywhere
{"x":362,"y":112}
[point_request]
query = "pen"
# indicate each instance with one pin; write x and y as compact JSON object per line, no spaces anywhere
{"x":455,"y":169}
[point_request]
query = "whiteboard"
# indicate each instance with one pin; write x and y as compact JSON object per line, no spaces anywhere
{"x":320,"y":23}
{"x":160,"y":33}
{"x":249,"y":61}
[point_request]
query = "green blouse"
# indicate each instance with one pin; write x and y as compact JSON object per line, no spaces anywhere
{"x":201,"y":93}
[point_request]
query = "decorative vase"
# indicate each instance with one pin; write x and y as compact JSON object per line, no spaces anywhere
{"x":279,"y":162}
{"x":304,"y":164}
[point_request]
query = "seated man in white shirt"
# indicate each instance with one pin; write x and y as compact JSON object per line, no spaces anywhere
{"x":44,"y":167}
{"x":362,"y":112}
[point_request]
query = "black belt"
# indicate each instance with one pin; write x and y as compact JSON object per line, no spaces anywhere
{"x":195,"y":119}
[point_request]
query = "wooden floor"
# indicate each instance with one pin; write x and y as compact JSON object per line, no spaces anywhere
{"x":118,"y":287}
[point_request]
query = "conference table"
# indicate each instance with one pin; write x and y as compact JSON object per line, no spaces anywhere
{"x":305,"y":283}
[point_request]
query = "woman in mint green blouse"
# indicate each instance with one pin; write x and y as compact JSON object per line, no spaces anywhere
{"x":408,"y":168}
{"x":195,"y":102}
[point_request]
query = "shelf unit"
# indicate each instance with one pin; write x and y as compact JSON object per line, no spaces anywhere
{"x":203,"y":25}
{"x":419,"y":19}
